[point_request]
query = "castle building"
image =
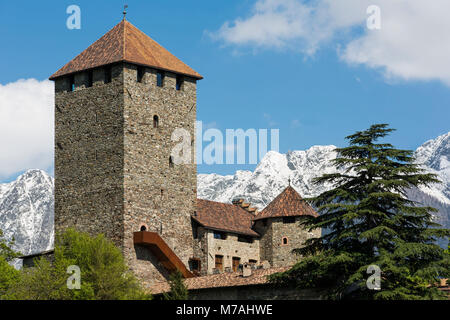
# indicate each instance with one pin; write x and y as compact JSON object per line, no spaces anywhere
{"x":116,"y":106}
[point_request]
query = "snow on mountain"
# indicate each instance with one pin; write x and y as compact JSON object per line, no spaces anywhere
{"x":270,"y":177}
{"x":435,"y":157}
{"x":272,"y":174}
{"x":27,"y":208}
{"x":26,"y":211}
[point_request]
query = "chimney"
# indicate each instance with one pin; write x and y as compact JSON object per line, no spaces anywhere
{"x":247,"y":270}
{"x":246,"y":206}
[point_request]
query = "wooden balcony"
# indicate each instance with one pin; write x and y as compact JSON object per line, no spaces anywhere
{"x":161,"y":251}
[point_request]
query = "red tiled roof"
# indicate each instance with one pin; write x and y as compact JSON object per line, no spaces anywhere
{"x":127,"y":43}
{"x":224,"y":217}
{"x":287,"y":204}
{"x":232,"y":279}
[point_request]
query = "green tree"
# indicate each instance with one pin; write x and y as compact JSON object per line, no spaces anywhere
{"x":370,"y":221}
{"x":6,"y":250}
{"x":104,"y":273}
{"x":178,"y":290}
{"x":8,"y":274}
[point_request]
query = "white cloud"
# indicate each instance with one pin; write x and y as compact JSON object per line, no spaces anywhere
{"x":26,"y":126}
{"x":412,"y":44}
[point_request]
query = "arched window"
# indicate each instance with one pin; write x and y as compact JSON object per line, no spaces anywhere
{"x":284,"y":241}
{"x":143,"y":228}
{"x":155,"y":121}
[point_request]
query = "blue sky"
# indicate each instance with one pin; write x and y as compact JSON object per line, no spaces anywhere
{"x":270,"y":77}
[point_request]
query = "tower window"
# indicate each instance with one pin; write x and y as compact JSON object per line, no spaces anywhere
{"x":155,"y":121}
{"x":72,"y":83}
{"x":108,"y":74}
{"x":288,"y":219}
{"x":143,"y":228}
{"x":90,"y":76}
{"x":179,"y":83}
{"x":220,"y":235}
{"x":170,"y":162}
{"x":140,"y":73}
{"x":160,"y":78}
{"x":284,"y":241}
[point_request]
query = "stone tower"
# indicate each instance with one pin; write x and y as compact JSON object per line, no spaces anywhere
{"x":280,"y":229}
{"x":116,"y":107}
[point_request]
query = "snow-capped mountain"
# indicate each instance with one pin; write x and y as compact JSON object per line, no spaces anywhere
{"x":435,"y":156}
{"x":27,"y":204}
{"x":26,"y":211}
{"x":272,"y":175}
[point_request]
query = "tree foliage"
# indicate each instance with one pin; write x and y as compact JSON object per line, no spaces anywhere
{"x":104,"y":273}
{"x":178,"y":290}
{"x":370,"y":221}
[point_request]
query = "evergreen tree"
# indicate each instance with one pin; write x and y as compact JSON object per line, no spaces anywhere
{"x":370,"y":221}
{"x":178,"y":290}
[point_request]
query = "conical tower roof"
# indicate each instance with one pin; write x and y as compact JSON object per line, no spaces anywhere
{"x":287,"y":204}
{"x":127,"y":43}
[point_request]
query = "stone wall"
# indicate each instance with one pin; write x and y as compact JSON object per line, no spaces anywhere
{"x":296,"y":236}
{"x":89,"y":155}
{"x":156,"y":193}
{"x":112,"y":171}
{"x":273,"y":249}
{"x":229,"y":248}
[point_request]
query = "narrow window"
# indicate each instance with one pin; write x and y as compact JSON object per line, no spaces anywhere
{"x":236,"y":263}
{"x":140,"y":73}
{"x":179,"y":83}
{"x":72,"y":83}
{"x":90,"y":77}
{"x":284,"y":241}
{"x":155,"y":121}
{"x":219,"y":262}
{"x":160,"y":78}
{"x":170,"y":162}
{"x":108,"y":74}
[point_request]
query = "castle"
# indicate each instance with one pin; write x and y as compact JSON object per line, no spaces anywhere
{"x":116,"y":106}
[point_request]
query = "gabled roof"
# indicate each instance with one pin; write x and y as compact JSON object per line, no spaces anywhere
{"x":127,"y":43}
{"x":224,"y":217}
{"x":287,"y":204}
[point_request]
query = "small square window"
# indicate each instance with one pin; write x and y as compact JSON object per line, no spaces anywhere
{"x":160,"y":78}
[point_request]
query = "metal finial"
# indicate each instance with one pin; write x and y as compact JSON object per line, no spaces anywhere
{"x":289,"y":181}
{"x":125,"y":11}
